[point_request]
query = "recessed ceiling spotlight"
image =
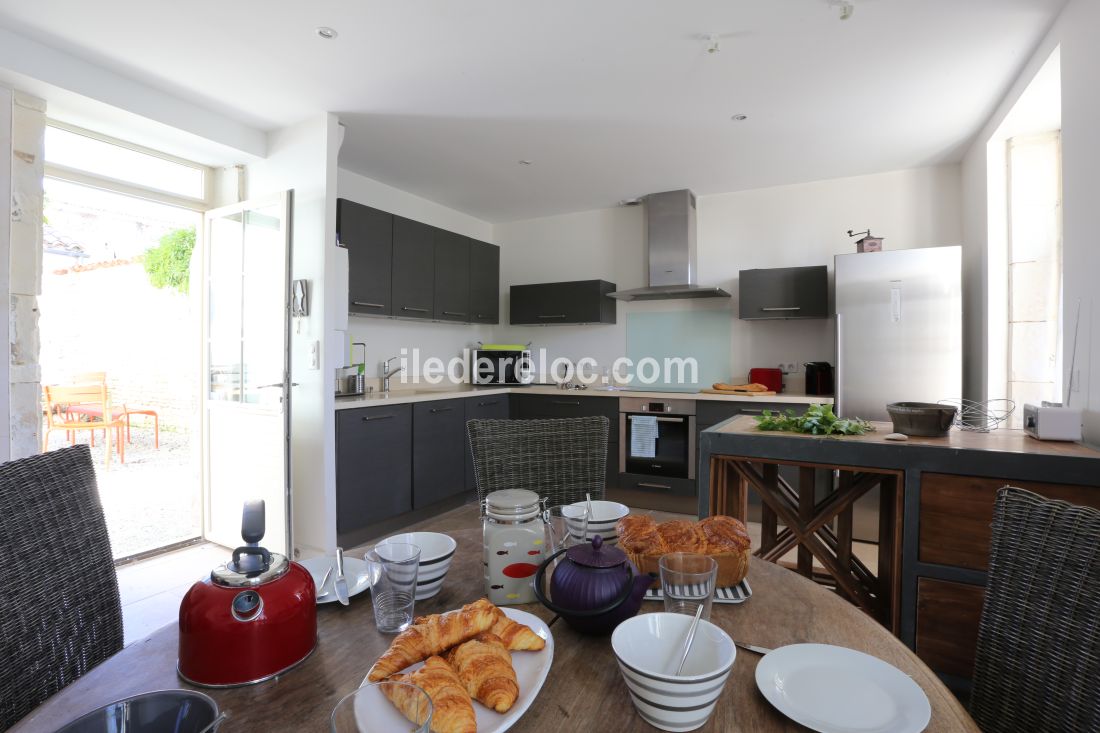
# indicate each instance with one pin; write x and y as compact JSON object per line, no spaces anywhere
{"x":739,"y":118}
{"x":526,"y":162}
{"x":847,"y":7}
{"x":325,"y":32}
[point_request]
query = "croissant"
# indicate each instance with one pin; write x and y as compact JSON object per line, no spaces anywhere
{"x":452,"y":709}
{"x":515,"y":635}
{"x":433,"y":635}
{"x":484,"y":666}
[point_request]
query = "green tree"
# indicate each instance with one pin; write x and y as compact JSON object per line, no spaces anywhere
{"x":169,"y":263}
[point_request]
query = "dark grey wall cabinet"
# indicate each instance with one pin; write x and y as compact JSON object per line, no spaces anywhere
{"x":439,"y":458}
{"x":413,"y":269}
{"x":452,"y":277}
{"x":489,"y":407}
{"x":580,"y":301}
{"x":484,"y":282}
{"x":785,"y":292}
{"x":373,"y":468}
{"x":368,"y":236}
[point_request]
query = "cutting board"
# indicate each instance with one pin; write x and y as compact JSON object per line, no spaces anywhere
{"x":709,"y":390}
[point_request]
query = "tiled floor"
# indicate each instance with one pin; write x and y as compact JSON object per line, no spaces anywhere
{"x":152,"y":589}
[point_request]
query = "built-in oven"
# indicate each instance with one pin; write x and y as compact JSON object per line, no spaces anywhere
{"x":657,"y":438}
{"x":501,"y":366}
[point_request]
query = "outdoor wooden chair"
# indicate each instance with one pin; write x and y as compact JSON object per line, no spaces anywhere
{"x":59,"y":417}
{"x":122,"y":412}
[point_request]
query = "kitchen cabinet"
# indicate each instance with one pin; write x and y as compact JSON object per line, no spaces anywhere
{"x":784,"y":292}
{"x":451,"y":297}
{"x":438,"y":451}
{"x":582,"y":301}
{"x":489,"y":407}
{"x":373,"y":468}
{"x":367,"y":234}
{"x":484,"y":282}
{"x":413,"y":271}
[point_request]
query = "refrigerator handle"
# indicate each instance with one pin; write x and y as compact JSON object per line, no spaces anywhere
{"x":838,"y":382}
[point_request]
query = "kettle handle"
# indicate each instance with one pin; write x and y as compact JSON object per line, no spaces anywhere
{"x":628,"y":588}
{"x":249,"y":550}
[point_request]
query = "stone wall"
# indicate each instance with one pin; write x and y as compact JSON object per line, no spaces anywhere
{"x":28,"y":137}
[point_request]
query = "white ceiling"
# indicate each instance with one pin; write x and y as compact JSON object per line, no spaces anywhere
{"x":610,"y":99}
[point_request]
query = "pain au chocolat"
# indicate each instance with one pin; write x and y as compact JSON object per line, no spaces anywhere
{"x":723,"y":538}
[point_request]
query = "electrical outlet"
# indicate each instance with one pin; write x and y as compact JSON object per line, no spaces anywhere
{"x":315,"y":354}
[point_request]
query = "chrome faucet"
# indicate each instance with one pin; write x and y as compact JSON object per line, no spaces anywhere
{"x":387,"y":373}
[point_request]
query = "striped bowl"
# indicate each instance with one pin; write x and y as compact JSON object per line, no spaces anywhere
{"x":436,"y":552}
{"x":648,"y":648}
{"x":605,"y":515}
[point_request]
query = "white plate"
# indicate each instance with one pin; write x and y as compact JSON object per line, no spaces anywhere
{"x":831,"y":689}
{"x":531,"y":670}
{"x":354,"y":570}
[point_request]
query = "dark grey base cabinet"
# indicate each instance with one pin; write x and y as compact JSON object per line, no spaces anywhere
{"x":489,"y":407}
{"x":439,"y":456}
{"x":784,"y":292}
{"x":547,"y":304}
{"x":657,"y":484}
{"x":373,"y":470}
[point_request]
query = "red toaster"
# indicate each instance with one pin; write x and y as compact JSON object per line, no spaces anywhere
{"x":770,"y":378}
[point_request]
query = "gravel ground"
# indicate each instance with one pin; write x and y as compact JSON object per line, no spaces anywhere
{"x":153,"y":499}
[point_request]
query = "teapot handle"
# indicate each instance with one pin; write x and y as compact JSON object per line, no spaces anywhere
{"x":540,"y":574}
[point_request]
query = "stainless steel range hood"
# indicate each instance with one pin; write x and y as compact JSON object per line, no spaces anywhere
{"x":670,"y":242}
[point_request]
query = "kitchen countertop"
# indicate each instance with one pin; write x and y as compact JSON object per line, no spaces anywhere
{"x":403,"y":396}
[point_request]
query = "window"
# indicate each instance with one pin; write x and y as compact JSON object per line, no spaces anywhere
{"x":81,"y":156}
{"x":1034,"y":262}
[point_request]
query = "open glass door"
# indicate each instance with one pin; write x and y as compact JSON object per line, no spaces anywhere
{"x":246,"y":406}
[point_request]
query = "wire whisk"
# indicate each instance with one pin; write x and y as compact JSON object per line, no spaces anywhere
{"x":980,"y":416}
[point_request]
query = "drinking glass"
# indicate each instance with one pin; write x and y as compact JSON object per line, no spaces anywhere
{"x":392,"y":569}
{"x":687,"y":580}
{"x":367,"y":710}
{"x":566,"y":525}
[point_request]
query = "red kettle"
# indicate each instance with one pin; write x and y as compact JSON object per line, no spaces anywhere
{"x":252,"y":619}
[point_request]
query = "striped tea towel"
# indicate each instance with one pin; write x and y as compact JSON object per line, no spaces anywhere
{"x":734,"y":594}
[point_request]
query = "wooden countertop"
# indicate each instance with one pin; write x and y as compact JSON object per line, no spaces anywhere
{"x":584,"y":689}
{"x":1008,"y":441}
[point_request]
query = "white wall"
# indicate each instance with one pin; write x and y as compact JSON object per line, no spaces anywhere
{"x":784,"y":226}
{"x":5,"y":263}
{"x":303,"y":158}
{"x":1074,"y":33}
{"x":386,"y":337}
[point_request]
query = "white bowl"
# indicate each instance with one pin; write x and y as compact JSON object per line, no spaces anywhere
{"x":648,"y":648}
{"x":605,"y":515}
{"x":436,"y":552}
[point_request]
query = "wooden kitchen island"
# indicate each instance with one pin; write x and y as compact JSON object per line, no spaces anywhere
{"x":936,"y":507}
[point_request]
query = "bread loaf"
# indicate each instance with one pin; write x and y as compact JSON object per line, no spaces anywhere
{"x":723,"y":538}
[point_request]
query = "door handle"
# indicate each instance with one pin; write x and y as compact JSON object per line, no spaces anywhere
{"x":560,"y":315}
{"x":566,"y":402}
{"x":753,"y":412}
{"x":488,"y":404}
{"x":784,"y":308}
{"x":414,"y":310}
{"x":660,"y":419}
{"x":368,"y":418}
{"x":441,"y":409}
{"x":367,"y":305}
{"x":276,"y":384}
{"x":646,"y":485}
{"x":483,"y":316}
{"x":454,"y":313}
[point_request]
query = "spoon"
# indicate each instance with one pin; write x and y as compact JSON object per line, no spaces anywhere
{"x":588,"y":498}
{"x":321,"y":585}
{"x":222,"y":717}
{"x":690,"y":638}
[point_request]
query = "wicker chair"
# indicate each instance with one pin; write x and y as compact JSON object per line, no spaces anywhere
{"x":1038,"y":659}
{"x":560,"y":460}
{"x":59,"y":605}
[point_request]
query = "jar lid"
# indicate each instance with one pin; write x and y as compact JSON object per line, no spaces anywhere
{"x":231,"y":576}
{"x":596,"y":554}
{"x":512,"y":501}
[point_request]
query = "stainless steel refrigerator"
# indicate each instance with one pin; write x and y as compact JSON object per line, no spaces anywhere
{"x":898,"y":329}
{"x":898,"y":338}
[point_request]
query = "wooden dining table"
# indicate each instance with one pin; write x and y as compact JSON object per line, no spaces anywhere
{"x":584,"y":689}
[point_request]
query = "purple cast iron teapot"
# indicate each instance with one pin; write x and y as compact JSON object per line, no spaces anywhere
{"x":594,"y":587}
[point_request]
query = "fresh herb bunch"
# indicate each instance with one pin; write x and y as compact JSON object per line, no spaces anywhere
{"x":818,"y":420}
